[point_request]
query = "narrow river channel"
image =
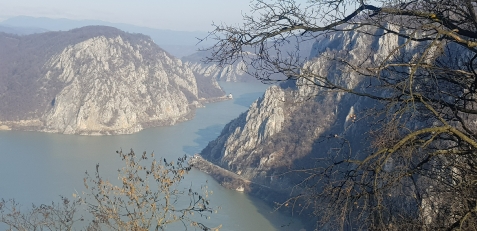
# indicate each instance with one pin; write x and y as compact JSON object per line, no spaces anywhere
{"x":39,"y":167}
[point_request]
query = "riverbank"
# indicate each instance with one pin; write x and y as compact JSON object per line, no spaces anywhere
{"x":233,"y":181}
{"x":226,"y":178}
{"x":37,"y":125}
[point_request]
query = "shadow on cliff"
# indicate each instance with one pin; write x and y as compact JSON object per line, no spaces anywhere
{"x":342,"y":140}
{"x":205,"y":135}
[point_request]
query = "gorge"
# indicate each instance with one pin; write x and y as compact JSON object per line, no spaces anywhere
{"x":282,"y":130}
{"x":370,"y":121}
{"x":97,"y":81}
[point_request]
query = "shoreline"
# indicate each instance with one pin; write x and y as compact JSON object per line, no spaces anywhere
{"x":233,"y":181}
{"x":36,"y":125}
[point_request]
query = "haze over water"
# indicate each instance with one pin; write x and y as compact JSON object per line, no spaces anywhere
{"x":39,"y":167}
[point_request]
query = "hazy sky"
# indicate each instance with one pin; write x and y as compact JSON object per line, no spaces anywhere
{"x":185,"y":15}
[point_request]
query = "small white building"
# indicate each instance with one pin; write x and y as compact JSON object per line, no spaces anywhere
{"x":240,"y":189}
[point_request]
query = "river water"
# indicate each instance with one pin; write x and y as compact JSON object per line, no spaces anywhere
{"x":39,"y":167}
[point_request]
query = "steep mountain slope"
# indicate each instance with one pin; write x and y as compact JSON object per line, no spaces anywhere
{"x":94,"y":80}
{"x":301,"y":127}
{"x":231,"y":73}
{"x":239,"y":71}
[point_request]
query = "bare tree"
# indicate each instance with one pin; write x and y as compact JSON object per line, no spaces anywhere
{"x":147,"y":196}
{"x":57,"y":216}
{"x":419,"y":171}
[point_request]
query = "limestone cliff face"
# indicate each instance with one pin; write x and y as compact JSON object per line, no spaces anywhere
{"x":251,"y":129}
{"x":239,"y":70}
{"x":314,"y":128}
{"x":278,"y":129}
{"x":293,"y":128}
{"x":107,"y":82}
{"x":232,"y":73}
{"x":115,"y":92}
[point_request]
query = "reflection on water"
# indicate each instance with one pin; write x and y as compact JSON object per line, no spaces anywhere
{"x":38,"y":167}
{"x":204,"y":138}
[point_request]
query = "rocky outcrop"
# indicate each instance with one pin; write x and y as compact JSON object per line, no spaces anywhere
{"x":236,"y":72}
{"x":293,"y":128}
{"x":250,"y":130}
{"x":96,"y":80}
{"x":298,"y":142}
{"x":278,"y":129}
{"x":240,"y":70}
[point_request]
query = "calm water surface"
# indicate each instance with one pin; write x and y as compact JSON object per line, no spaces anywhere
{"x":38,"y":167}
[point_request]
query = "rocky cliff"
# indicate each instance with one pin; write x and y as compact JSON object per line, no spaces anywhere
{"x":240,"y":71}
{"x":95,"y":80}
{"x":281,"y":131}
{"x":296,"y":127}
{"x":231,"y":73}
{"x":377,"y":158}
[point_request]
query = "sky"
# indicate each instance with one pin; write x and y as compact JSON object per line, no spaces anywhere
{"x":180,"y":15}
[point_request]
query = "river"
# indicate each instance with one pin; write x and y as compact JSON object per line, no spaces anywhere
{"x":38,"y":167}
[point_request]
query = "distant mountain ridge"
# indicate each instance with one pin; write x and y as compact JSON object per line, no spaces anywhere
{"x":239,"y":70}
{"x":185,"y":45}
{"x":21,"y":30}
{"x":178,"y":43}
{"x":231,"y":73}
{"x":95,"y":80}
